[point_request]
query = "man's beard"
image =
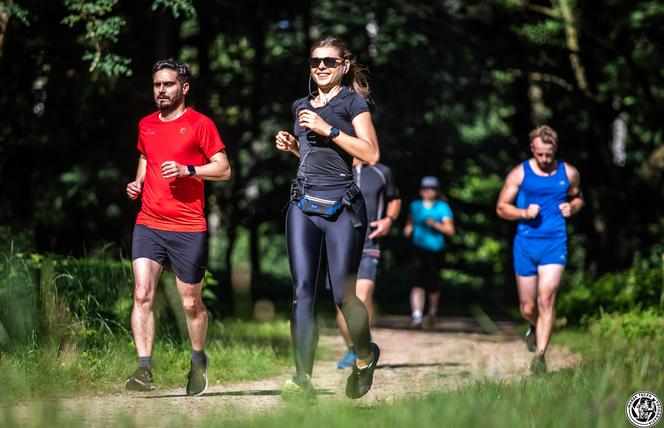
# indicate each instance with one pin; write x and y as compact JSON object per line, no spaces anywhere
{"x":172,"y":105}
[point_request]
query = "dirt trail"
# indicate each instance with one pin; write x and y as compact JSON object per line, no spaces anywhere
{"x":412,"y":362}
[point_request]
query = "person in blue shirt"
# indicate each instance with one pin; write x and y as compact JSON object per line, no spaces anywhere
{"x":430,"y":220}
{"x":541,"y":193}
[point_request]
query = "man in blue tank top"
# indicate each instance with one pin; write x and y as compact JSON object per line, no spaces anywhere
{"x":540,"y":193}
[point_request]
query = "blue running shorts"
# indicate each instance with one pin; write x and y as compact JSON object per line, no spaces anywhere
{"x":529,"y":253}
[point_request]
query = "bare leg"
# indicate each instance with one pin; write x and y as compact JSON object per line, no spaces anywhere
{"x":527,"y":288}
{"x":417,"y":299}
{"x":434,"y":296}
{"x":364,"y":291}
{"x":197,"y":316}
{"x":547,"y":285}
{"x":146,"y":275}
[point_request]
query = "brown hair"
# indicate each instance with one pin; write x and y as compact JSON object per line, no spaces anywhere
{"x":356,"y":77}
{"x":546,"y":134}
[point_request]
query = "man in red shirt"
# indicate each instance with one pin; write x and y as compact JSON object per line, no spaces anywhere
{"x":179,"y":149}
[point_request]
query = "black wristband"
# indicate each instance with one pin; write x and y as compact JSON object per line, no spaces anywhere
{"x":192,"y":170}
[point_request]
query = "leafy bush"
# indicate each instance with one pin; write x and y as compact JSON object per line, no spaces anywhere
{"x":632,"y":325}
{"x":639,"y":287}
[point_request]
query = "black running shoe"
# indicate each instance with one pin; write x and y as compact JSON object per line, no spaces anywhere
{"x":141,"y":380}
{"x":299,"y":391}
{"x":198,"y":380}
{"x":530,"y":339}
{"x":359,"y":382}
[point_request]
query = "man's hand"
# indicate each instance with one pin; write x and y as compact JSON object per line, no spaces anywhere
{"x":134,"y":189}
{"x":532,"y":211}
{"x":382,"y":227}
{"x":566,"y":209}
{"x":172,"y":169}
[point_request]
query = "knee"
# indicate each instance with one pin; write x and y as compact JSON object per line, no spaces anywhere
{"x":545,"y":301}
{"x":143,"y":298}
{"x":528,"y":309}
{"x":192,"y":305}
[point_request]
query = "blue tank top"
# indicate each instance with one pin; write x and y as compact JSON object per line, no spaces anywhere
{"x":548,"y":192}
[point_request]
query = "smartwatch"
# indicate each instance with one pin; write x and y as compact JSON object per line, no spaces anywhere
{"x":334,"y":133}
{"x":192,"y":170}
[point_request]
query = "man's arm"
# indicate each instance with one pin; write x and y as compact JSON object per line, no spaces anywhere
{"x":383,"y":225}
{"x":217,"y":169}
{"x":136,"y":187}
{"x":505,"y":207}
{"x":576,"y":201}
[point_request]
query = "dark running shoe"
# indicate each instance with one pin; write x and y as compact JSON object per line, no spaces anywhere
{"x":359,"y":382}
{"x":141,"y":380}
{"x":299,"y":391}
{"x":538,"y":365}
{"x":198,"y":380}
{"x":530,"y":339}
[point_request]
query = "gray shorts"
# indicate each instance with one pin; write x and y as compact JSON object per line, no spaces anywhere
{"x":368,"y":268}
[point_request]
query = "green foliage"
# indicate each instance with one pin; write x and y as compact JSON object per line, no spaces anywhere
{"x":15,"y":11}
{"x":176,"y":6}
{"x":101,"y":31}
{"x":640,"y":287}
{"x":630,"y":326}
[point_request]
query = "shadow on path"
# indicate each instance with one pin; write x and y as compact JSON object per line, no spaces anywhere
{"x":477,"y":325}
{"x":256,"y":392}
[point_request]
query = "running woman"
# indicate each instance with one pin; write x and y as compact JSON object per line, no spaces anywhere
{"x":383,"y":206}
{"x":179,"y":148}
{"x":332,"y":127}
{"x":540,"y":193}
{"x":430,"y":220}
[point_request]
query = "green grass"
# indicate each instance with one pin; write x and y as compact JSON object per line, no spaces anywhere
{"x":590,"y":395}
{"x":237,"y":351}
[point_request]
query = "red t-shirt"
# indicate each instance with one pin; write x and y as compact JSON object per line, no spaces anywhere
{"x":175,"y":204}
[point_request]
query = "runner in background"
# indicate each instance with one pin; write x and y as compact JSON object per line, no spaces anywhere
{"x":383,"y":206}
{"x":430,"y":220}
{"x":540,"y":193}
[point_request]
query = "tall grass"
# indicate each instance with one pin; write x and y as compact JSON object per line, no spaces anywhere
{"x":241,"y":351}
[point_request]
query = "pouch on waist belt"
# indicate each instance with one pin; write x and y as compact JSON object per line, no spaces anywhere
{"x":327,"y":208}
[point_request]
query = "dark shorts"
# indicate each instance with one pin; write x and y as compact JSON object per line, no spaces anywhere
{"x":185,"y":252}
{"x":369,"y":266}
{"x":426,"y":265}
{"x":529,"y":253}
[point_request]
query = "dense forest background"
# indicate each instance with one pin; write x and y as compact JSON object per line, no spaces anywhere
{"x":457,"y":86}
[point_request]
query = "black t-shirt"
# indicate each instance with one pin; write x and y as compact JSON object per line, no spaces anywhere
{"x":377,"y":186}
{"x":321,"y":160}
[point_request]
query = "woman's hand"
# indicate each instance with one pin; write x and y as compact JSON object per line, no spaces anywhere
{"x":285,"y":142}
{"x":310,"y":120}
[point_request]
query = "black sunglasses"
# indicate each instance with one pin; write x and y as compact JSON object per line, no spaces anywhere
{"x":328,"y":62}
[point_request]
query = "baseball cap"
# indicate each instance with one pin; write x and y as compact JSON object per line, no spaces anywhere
{"x":429,"y":181}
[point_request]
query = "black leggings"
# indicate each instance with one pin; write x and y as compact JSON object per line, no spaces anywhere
{"x":305,"y":237}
